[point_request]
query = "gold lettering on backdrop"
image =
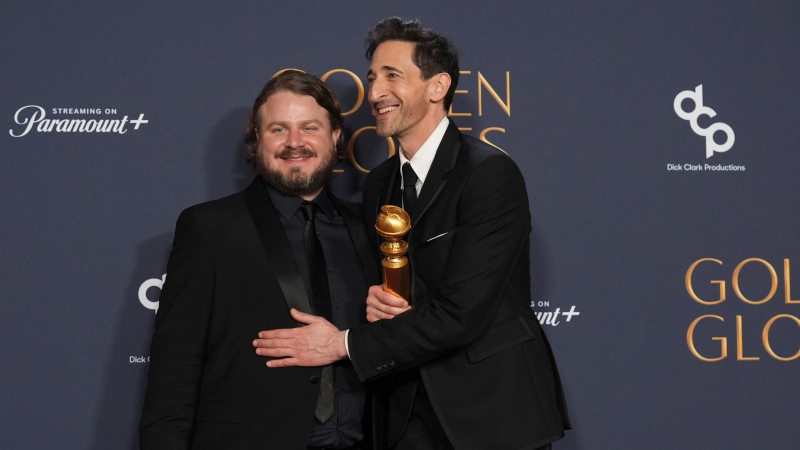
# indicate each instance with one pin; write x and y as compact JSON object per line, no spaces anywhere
{"x":483,"y":136}
{"x":359,"y":85}
{"x":352,"y":143}
{"x":739,"y":291}
{"x":456,"y":92}
{"x":482,"y":82}
{"x":787,"y":283}
{"x":284,"y":70}
{"x":690,"y":288}
{"x":722,"y":340}
{"x":483,"y":85}
{"x":765,"y":336}
{"x":740,"y":343}
{"x":741,"y":336}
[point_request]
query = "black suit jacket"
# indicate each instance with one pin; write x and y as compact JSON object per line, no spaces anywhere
{"x":231,"y":274}
{"x":471,"y":336}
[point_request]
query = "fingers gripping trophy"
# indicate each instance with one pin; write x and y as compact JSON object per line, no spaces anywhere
{"x":393,"y":223}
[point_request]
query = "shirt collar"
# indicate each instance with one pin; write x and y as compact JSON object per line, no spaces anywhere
{"x":422,"y":160}
{"x":288,"y":205}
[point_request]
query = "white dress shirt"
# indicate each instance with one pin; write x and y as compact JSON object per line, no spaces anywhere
{"x":422,"y":160}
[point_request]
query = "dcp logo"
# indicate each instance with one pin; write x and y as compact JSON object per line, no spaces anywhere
{"x":152,"y":282}
{"x":696,"y":96}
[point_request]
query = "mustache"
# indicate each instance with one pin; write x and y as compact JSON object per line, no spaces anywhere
{"x":295,"y":152}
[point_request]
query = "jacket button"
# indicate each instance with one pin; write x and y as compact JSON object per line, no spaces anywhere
{"x":378,"y":368}
{"x":384,"y":366}
{"x":313,"y":379}
{"x":391,"y":363}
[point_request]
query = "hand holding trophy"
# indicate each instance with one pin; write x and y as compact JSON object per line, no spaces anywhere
{"x":393,"y":223}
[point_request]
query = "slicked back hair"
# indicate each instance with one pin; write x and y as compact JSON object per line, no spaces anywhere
{"x":433,"y":53}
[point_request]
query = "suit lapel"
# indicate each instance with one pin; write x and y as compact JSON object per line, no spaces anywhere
{"x":380,"y":193}
{"x":358,"y":235}
{"x":390,"y":185}
{"x":443,"y":162}
{"x":276,"y":246}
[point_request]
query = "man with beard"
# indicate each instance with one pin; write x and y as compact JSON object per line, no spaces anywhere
{"x":238,"y":264}
{"x":464,"y":364}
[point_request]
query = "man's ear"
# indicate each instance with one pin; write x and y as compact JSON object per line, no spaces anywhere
{"x":438,"y":87}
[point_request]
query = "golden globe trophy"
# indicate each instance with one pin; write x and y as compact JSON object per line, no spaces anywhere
{"x":393,"y":224}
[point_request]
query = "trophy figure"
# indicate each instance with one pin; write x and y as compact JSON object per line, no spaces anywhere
{"x":393,"y":224}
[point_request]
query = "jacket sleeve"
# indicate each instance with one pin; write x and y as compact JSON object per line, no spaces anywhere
{"x":492,"y":231}
{"x":177,"y":349}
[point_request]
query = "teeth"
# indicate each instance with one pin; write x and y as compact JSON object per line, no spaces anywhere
{"x":386,"y":109}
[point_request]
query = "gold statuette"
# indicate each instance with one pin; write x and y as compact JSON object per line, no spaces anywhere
{"x":393,"y":224}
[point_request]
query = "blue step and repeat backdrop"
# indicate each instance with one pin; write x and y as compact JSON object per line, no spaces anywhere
{"x":659,"y":141}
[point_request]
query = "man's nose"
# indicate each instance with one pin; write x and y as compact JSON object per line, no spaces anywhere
{"x":376,"y":91}
{"x":294,"y":138}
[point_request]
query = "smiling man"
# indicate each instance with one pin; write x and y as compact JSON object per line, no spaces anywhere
{"x":463,"y":363}
{"x":237,"y":266}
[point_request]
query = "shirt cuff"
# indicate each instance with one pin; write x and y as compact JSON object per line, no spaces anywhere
{"x":347,"y":342}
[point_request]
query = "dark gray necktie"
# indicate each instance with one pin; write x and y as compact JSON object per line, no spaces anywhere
{"x":320,"y":303}
{"x":409,"y":188}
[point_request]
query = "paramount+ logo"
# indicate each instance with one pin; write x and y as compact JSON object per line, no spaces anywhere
{"x":34,"y":118}
{"x":698,"y":110}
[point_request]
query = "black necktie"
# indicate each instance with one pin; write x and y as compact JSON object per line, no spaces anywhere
{"x":320,"y":303}
{"x":409,"y":188}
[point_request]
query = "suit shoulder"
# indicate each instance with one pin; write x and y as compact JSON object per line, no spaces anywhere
{"x":219,"y":209}
{"x":223,"y":203}
{"x":384,"y":166}
{"x":478,"y":152}
{"x":380,"y":171}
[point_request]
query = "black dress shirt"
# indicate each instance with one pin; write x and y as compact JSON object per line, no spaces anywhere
{"x":348,"y":291}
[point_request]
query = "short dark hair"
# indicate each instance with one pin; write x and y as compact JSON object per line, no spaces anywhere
{"x":433,"y":52}
{"x":299,"y":83}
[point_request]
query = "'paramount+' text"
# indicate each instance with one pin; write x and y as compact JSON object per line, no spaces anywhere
{"x":34,"y":118}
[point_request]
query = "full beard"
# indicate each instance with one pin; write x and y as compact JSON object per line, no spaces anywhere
{"x":295,"y":182}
